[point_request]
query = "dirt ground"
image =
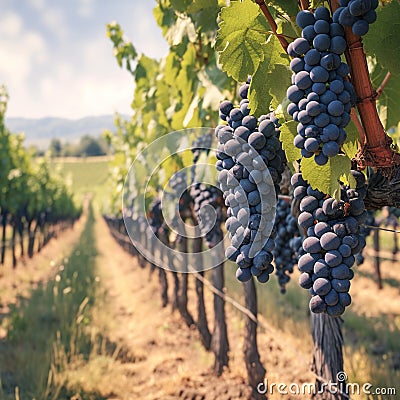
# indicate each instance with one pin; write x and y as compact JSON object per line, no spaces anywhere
{"x":170,"y":362}
{"x":157,"y":356}
{"x":18,"y":283}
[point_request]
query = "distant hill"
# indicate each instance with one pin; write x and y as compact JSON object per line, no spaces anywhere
{"x":39,"y":132}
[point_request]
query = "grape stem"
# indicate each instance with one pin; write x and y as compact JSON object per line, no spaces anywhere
{"x":304,"y":4}
{"x":376,"y":151}
{"x":357,"y":123}
{"x":272,"y":23}
{"x":380,"y":89}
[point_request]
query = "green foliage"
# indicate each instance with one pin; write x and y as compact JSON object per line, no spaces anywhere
{"x":382,"y":43}
{"x":326,"y":177}
{"x":268,"y":85}
{"x":29,"y":191}
{"x":288,"y":133}
{"x":182,"y":90}
{"x":350,"y":147}
{"x":50,"y":328}
{"x":382,"y":40}
{"x":123,"y":51}
{"x":289,"y":7}
{"x":241,"y":33}
{"x":205,"y":63}
{"x":247,"y":48}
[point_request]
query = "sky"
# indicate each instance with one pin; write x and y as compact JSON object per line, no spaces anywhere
{"x":56,"y":59}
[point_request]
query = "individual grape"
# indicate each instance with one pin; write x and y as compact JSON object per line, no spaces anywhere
{"x":312,"y":57}
{"x":322,"y":286}
{"x":338,"y":45}
{"x":330,"y":149}
{"x":317,"y":304}
{"x":322,"y":42}
{"x":320,"y":159}
{"x":336,"y":310}
{"x":322,"y":26}
{"x":319,"y":74}
{"x":225,"y":107}
{"x":330,"y":61}
{"x":303,"y":80}
{"x":312,"y":245}
{"x":332,"y":298}
{"x":370,"y":16}
{"x":244,"y":90}
{"x":360,"y":27}
{"x":305,"y":18}
{"x":330,"y":241}
{"x":301,"y":46}
{"x":342,"y":271}
{"x":243,"y":274}
{"x":321,"y":269}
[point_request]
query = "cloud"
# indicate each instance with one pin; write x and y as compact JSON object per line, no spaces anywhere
{"x":21,"y":49}
{"x":38,"y":4}
{"x":11,"y":24}
{"x":85,"y":8}
{"x":55,"y":22}
{"x":59,"y":64}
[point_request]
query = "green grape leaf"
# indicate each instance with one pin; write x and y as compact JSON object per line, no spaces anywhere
{"x":204,"y":14}
{"x":278,"y":79}
{"x":180,"y":5}
{"x":241,"y":34}
{"x":267,"y":83}
{"x":259,"y":96}
{"x":290,"y":7}
{"x":382,"y":40}
{"x":288,"y":132}
{"x":171,"y":68}
{"x":145,"y":69}
{"x":326,"y":177}
{"x":181,"y":29}
{"x":389,"y":100}
{"x":165,"y":15}
{"x":350,"y":146}
{"x":187,"y":158}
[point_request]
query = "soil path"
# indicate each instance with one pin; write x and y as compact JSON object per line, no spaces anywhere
{"x":169,"y":361}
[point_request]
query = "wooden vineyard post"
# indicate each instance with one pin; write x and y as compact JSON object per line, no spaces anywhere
{"x":184,"y":279}
{"x":219,"y":341}
{"x":377,"y":263}
{"x":328,"y":354}
{"x":255,"y":370}
{"x":202,"y":323}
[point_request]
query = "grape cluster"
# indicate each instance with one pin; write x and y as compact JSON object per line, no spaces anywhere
{"x":208,"y":208}
{"x":155,"y":217}
{"x":202,"y":143}
{"x":365,"y":231}
{"x":321,"y":97}
{"x":287,"y":242}
{"x":332,"y":242}
{"x":178,"y":184}
{"x":251,"y":162}
{"x":358,"y":14}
